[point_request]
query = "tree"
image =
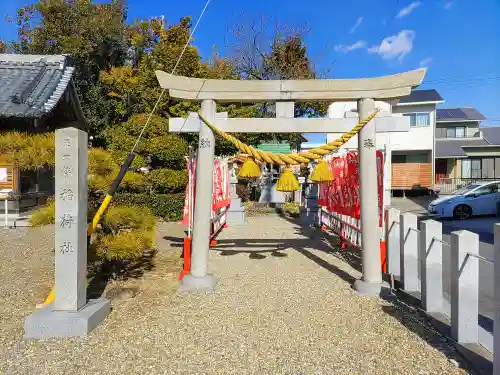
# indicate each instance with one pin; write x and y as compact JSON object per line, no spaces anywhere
{"x":94,"y":35}
{"x":262,"y":52}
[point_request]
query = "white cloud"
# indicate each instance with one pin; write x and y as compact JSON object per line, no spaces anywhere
{"x":426,"y":61}
{"x":356,"y":25}
{"x":410,"y":8}
{"x":448,"y":5}
{"x":348,"y":48}
{"x":396,"y":46}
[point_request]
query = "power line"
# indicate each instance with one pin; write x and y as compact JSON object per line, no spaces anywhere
{"x":462,"y":76}
{"x":388,"y":26}
{"x":173,"y":71}
{"x":444,"y":81}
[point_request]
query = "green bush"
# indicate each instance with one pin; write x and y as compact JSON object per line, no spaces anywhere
{"x":123,"y":245}
{"x":291,"y":208}
{"x":45,"y":215}
{"x":164,"y":181}
{"x":165,"y":149}
{"x":120,"y":217}
{"x":167,"y":206}
{"x":135,"y":182}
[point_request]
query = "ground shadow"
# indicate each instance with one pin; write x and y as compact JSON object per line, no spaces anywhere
{"x":436,"y":334}
{"x":100,"y":273}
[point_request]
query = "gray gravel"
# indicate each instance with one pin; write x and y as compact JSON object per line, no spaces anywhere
{"x":275,"y":310}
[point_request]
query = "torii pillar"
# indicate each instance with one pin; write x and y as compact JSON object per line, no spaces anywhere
{"x":285,"y":94}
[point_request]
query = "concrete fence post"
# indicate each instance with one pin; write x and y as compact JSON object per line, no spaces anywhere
{"x":464,"y":286}
{"x":392,"y":233}
{"x":409,"y":251}
{"x":496,"y":278}
{"x":431,"y":260}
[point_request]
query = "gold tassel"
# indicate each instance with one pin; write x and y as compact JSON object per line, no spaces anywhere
{"x":250,"y":169}
{"x":287,"y":181}
{"x":321,"y":173}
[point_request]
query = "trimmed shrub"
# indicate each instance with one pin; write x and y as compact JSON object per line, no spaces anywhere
{"x":123,"y":245}
{"x":164,"y":181}
{"x":45,"y":215}
{"x":167,"y":206}
{"x":134,"y":182}
{"x":120,"y":217}
{"x":291,"y":208}
{"x":28,"y":151}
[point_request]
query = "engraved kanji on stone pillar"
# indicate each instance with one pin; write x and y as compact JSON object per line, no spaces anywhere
{"x":71,"y":218}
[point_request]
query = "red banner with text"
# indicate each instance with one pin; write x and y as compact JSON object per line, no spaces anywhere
{"x":342,"y":194}
{"x":221,"y":189}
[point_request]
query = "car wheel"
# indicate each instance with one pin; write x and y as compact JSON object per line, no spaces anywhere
{"x":462,"y":212}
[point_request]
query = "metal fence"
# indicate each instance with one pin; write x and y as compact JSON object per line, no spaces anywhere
{"x":446,"y":185}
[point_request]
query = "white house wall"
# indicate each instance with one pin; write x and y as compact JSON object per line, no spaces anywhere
{"x":417,"y":138}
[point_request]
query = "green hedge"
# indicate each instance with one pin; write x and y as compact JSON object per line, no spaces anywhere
{"x":168,"y":181}
{"x":167,"y":206}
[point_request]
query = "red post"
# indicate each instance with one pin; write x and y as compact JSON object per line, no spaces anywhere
{"x":187,"y":257}
{"x":383,"y":256}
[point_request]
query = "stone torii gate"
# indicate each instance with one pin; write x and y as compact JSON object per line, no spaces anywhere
{"x":285,"y":93}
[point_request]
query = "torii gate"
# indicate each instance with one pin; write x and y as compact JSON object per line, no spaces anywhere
{"x":285,"y":93}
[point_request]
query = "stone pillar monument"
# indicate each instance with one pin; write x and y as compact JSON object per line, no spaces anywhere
{"x":235,"y":212}
{"x":70,"y":315}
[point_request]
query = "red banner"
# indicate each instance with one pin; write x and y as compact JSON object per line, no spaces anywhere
{"x":221,"y":189}
{"x":342,"y":194}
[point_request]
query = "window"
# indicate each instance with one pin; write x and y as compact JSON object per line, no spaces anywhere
{"x":460,"y":132}
{"x":488,"y":168}
{"x":466,"y":168}
{"x":452,"y":132}
{"x":418,"y":119}
{"x":476,"y":168}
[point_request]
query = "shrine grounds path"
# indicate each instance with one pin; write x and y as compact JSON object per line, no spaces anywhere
{"x":283,"y":305}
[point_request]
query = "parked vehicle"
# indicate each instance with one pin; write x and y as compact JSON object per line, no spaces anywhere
{"x":475,"y":199}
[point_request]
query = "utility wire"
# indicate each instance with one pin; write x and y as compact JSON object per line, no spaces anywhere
{"x":173,"y":71}
{"x":385,"y":35}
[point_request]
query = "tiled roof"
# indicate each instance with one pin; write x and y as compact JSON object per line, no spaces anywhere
{"x":491,"y":134}
{"x":458,"y":114}
{"x":421,"y":96}
{"x":31,"y":85}
{"x":277,"y":148}
{"x":453,"y":147}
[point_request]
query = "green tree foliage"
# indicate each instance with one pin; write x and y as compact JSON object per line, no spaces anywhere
{"x":162,"y":148}
{"x":166,"y":181}
{"x":28,"y":151}
{"x":94,"y":34}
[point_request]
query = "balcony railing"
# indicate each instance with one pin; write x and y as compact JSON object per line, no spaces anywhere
{"x":448,"y":185}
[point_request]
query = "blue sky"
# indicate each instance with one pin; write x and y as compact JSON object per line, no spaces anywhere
{"x":458,"y":40}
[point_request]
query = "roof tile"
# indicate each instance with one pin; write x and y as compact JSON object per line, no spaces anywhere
{"x":31,"y":85}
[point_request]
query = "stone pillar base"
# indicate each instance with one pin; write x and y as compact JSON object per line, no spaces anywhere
{"x":49,"y":323}
{"x":193,"y":284}
{"x":364,"y":288}
{"x":236,"y":217}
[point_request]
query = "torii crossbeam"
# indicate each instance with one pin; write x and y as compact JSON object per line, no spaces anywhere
{"x":285,"y":93}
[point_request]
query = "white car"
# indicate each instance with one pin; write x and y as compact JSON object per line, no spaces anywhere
{"x":476,"y":199}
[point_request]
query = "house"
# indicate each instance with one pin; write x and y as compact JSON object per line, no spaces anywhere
{"x":411,"y":153}
{"x":37,"y":95}
{"x":465,"y":150}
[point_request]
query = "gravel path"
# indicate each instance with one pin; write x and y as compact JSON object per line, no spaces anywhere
{"x":280,"y":307}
